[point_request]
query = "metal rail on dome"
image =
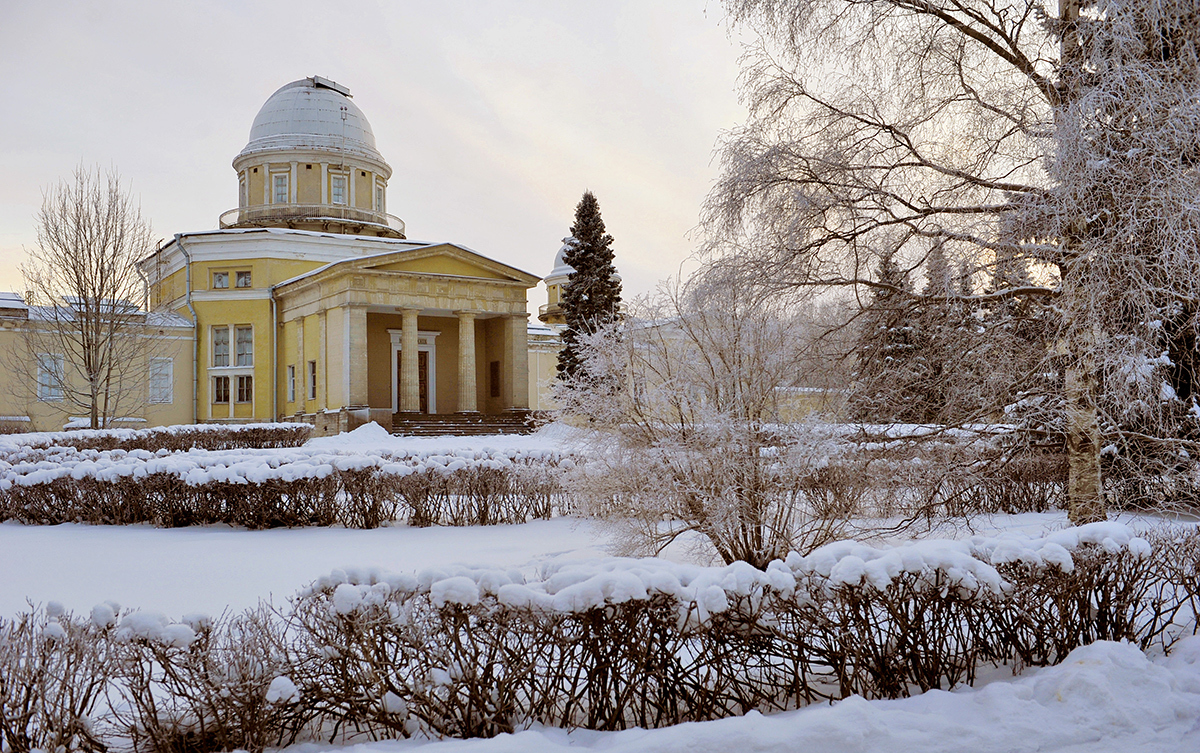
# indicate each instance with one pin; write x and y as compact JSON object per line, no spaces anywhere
{"x":268,"y":215}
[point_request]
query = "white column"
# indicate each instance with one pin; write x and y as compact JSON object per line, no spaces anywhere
{"x":466,"y":362}
{"x":410,"y":389}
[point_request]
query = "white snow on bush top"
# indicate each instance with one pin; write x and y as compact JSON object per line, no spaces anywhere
{"x":197,"y":467}
{"x":9,"y":442}
{"x":578,"y":586}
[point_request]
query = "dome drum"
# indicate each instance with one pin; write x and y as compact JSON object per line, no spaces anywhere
{"x":311,"y":163}
{"x":297,"y":215}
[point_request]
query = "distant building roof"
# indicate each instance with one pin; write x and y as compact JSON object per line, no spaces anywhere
{"x":9,"y":300}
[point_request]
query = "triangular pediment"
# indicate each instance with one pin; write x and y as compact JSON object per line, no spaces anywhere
{"x":445,"y":259}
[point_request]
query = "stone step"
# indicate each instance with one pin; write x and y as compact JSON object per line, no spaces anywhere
{"x":461,"y":424}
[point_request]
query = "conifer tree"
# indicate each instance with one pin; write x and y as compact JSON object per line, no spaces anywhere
{"x":887,"y":364}
{"x":592,"y":294}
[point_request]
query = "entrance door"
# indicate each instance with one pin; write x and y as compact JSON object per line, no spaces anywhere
{"x":423,"y":378}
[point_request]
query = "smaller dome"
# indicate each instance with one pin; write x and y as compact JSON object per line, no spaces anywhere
{"x":561,"y":269}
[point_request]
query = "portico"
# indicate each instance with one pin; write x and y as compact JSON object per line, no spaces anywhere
{"x":433,"y":329}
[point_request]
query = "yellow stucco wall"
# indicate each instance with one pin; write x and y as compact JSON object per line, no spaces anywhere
{"x":254,"y":194}
{"x":19,"y":398}
{"x":543,"y":369}
{"x":441,"y":265}
{"x":308,"y":183}
{"x":364,"y":186}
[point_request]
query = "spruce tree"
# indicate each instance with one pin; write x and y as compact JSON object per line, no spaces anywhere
{"x":592,"y":295}
{"x":887,"y":354}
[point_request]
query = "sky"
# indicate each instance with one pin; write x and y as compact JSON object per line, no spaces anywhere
{"x":495,"y":115}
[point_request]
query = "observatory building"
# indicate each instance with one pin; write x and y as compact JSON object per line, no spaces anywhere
{"x":309,"y":300}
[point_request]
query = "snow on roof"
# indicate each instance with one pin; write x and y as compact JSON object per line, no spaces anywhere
{"x":66,"y":314}
{"x":10,"y":300}
{"x":166,"y":319}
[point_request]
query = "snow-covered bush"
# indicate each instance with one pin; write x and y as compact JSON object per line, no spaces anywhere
{"x":608,"y":644}
{"x":619,"y":643}
{"x":282,"y":487}
{"x":203,"y":685}
{"x":171,"y":438}
{"x":54,"y":672}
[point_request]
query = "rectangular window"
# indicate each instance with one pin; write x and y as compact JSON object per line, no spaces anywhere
{"x":243,"y":279}
{"x":312,"y":380}
{"x":50,"y":377}
{"x":245,"y":346}
{"x":221,"y":389}
{"x":220,"y":342}
{"x":291,"y":384}
{"x":162,"y":380}
{"x":379,"y":199}
{"x":245,"y":393}
{"x":494,"y":378}
{"x":280,"y":181}
{"x":338,"y":194}
{"x":220,"y":279}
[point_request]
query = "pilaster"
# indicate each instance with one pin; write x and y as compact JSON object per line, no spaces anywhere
{"x":356,"y":355}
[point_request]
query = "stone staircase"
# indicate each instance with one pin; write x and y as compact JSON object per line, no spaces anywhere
{"x":461,"y":424}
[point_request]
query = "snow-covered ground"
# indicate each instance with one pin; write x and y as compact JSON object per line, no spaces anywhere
{"x":210,"y":569}
{"x":1106,"y":697}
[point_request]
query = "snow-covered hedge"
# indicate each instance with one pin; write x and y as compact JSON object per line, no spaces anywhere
{"x":170,"y":438}
{"x":604,"y":645}
{"x":281,"y":487}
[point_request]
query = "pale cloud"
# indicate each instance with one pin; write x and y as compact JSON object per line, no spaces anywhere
{"x":495,"y":115}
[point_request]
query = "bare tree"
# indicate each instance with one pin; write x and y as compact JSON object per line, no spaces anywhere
{"x":690,"y":447}
{"x":993,"y":131}
{"x":86,"y":341}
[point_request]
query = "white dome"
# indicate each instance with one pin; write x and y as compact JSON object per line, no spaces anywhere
{"x":561,"y":270}
{"x":312,"y":114}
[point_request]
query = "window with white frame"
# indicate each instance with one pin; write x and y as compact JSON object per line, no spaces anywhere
{"x":337,"y":194}
{"x":242,"y":195}
{"x":379,"y":199}
{"x":245,"y":346}
{"x":220,"y":389}
{"x":50,"y":376}
{"x":280,"y":182}
{"x":220,"y":280}
{"x":291,"y":383}
{"x":312,"y":380}
{"x":243,"y":279}
{"x":245,"y":389}
{"x":162,"y":380}
{"x":220,"y":346}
